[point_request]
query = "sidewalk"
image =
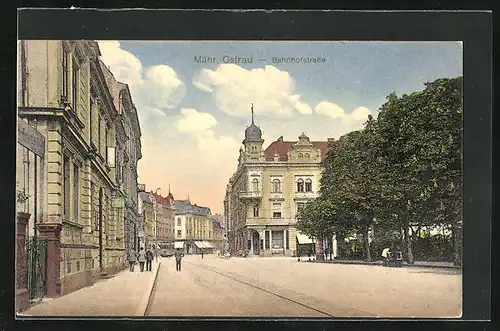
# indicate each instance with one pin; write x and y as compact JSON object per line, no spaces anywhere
{"x":422,"y":264}
{"x":125,"y":294}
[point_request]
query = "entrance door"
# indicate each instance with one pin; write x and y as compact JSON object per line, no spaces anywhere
{"x":256,"y":243}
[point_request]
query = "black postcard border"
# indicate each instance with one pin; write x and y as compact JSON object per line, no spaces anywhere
{"x":473,"y":28}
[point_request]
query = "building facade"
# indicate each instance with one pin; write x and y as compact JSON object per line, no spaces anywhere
{"x":268,"y":189}
{"x":63,"y":94}
{"x":127,"y":155}
{"x":218,"y":232}
{"x":193,"y":227}
{"x":146,"y":214}
{"x":165,"y":211}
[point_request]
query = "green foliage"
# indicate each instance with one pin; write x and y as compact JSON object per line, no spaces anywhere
{"x":402,"y":168}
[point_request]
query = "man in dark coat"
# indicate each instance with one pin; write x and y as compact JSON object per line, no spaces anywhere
{"x":149,"y":259}
{"x":178,"y":258}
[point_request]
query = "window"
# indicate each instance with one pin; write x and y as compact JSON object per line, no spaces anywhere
{"x":179,"y":222}
{"x":256,"y":211}
{"x":308,"y":185}
{"x":99,"y":132}
{"x":276,"y":210}
{"x":66,"y":187}
{"x":75,"y":86}
{"x":76,"y":198}
{"x":300,"y":206}
{"x":91,"y":112}
{"x":276,"y":186}
{"x":65,"y":73}
{"x":300,"y":185}
{"x":307,"y":157}
{"x":179,"y":233}
{"x":255,"y":185}
{"x":267,"y":242}
{"x":301,"y":157}
{"x":106,"y":142}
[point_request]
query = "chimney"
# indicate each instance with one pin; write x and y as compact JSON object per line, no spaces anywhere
{"x":280,"y":138}
{"x":330,"y":139}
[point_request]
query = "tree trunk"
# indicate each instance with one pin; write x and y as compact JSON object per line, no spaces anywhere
{"x":319,"y":249}
{"x":457,"y":242}
{"x":407,"y":241}
{"x":340,"y":245}
{"x":367,"y":244}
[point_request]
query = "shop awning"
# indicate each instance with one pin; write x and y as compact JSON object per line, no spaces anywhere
{"x":199,"y":244}
{"x":207,"y":244}
{"x":179,"y":244}
{"x":304,"y":239}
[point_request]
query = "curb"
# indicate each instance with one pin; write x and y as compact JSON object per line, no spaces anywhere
{"x":144,"y":304}
{"x":380,"y":264}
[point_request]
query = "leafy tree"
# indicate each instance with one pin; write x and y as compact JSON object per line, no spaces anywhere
{"x":420,"y":136}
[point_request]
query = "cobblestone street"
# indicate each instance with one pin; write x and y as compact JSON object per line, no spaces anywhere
{"x":284,"y":287}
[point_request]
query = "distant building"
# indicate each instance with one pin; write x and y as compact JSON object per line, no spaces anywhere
{"x":193,"y":227}
{"x":165,"y":211}
{"x":267,"y":191}
{"x":219,"y":232}
{"x":146,"y":214}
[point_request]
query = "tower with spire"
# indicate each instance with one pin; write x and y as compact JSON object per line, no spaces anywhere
{"x":253,"y":142}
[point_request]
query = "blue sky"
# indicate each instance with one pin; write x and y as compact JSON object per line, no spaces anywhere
{"x":193,"y":115}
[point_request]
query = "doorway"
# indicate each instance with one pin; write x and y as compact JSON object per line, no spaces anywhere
{"x":256,"y":243}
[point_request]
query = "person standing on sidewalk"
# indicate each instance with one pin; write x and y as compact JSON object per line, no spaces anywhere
{"x":178,"y":259}
{"x":131,"y":258}
{"x":142,"y":258}
{"x":202,"y":253}
{"x":149,"y":259}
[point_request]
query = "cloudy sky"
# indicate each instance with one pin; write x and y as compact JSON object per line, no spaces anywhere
{"x":193,"y":115}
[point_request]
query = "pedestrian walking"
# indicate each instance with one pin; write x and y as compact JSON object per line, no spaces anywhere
{"x":178,"y":258}
{"x":142,"y":258}
{"x":385,"y":255}
{"x":132,"y":259}
{"x":202,"y":254}
{"x":149,"y":259}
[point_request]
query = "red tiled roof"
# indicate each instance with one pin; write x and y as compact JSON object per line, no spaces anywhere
{"x":282,"y":148}
{"x":166,"y":201}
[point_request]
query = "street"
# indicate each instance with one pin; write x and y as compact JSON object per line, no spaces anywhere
{"x":284,"y":287}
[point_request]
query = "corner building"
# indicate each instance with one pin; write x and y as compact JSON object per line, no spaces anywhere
{"x":63,"y":93}
{"x":268,"y":189}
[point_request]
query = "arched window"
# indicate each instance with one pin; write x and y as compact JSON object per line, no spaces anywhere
{"x":301,"y":157}
{"x":276,"y":186}
{"x":255,"y":185}
{"x":307,"y":157}
{"x":300,"y":185}
{"x":308,"y":185}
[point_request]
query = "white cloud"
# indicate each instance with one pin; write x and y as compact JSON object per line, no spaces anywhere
{"x":234,"y":89}
{"x":348,"y":121}
{"x":361,"y":113}
{"x":159,"y":87}
{"x":329,"y":109}
{"x":124,"y":65}
{"x":193,"y":121}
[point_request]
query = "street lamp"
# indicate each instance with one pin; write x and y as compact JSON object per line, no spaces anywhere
{"x":156,"y":223}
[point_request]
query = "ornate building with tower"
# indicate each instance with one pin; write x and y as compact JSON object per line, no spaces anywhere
{"x":268,"y":189}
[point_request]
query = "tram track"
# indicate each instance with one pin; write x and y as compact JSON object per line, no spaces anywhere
{"x":317,"y":306}
{"x":260,"y":288}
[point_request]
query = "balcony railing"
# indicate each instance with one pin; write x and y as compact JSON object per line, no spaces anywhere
{"x":269,"y":221}
{"x":251,"y":195}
